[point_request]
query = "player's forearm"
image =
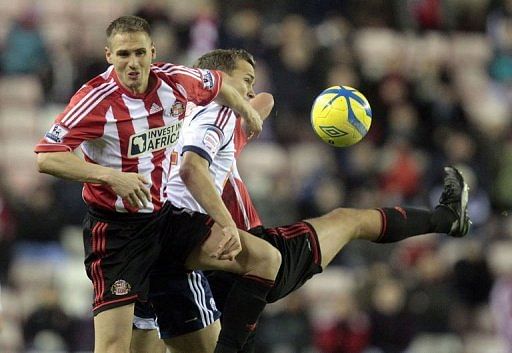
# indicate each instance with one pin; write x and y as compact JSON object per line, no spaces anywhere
{"x":263,"y":103}
{"x":198,"y":181}
{"x":230,"y":97}
{"x":69,"y":166}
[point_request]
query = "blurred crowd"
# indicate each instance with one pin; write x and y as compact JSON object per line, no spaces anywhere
{"x":438,"y":75}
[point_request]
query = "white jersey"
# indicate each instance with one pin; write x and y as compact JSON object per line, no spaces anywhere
{"x":209,"y":132}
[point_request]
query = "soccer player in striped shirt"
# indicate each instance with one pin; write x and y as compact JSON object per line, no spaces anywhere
{"x":213,"y":138}
{"x":126,"y":122}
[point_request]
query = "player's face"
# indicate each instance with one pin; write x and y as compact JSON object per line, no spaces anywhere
{"x":243,"y":79}
{"x":131,"y":54}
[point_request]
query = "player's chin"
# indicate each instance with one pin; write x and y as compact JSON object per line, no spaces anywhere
{"x":134,"y":86}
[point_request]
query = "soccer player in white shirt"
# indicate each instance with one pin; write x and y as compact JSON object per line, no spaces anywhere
{"x":211,"y":141}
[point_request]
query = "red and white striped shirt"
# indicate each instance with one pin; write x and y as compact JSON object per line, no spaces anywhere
{"x":127,"y":132}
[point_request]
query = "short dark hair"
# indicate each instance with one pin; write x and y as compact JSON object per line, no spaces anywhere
{"x":127,"y":24}
{"x":223,"y":59}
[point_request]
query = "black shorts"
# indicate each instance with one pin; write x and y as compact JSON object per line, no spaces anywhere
{"x":181,"y":230}
{"x":119,"y":252}
{"x":301,"y":260}
{"x":184,"y":304}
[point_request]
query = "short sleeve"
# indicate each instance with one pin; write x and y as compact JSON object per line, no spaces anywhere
{"x":80,"y":121}
{"x":200,"y":86}
{"x":208,"y":131}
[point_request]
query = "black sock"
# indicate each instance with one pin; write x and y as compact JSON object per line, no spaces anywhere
{"x":244,"y":304}
{"x":400,"y":223}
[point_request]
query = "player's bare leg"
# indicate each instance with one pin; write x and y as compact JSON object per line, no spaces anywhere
{"x":257,"y":264}
{"x":340,"y":226}
{"x":388,"y":225}
{"x":147,"y":341}
{"x":257,"y":258}
{"x":113,"y":330}
{"x":202,"y":341}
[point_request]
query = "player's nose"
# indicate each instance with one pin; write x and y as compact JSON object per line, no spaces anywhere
{"x":133,"y":62}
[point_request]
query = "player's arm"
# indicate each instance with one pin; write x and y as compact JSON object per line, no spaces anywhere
{"x":196,"y":176}
{"x":67,"y":165}
{"x":263,"y":103}
{"x":230,"y":97}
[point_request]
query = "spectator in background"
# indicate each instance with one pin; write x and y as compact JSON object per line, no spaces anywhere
{"x":7,"y":233}
{"x":155,"y":12}
{"x":288,"y":330}
{"x":297,"y":73}
{"x":39,"y":223}
{"x":244,"y":29}
{"x":25,"y":51}
{"x":501,"y":294}
{"x":204,"y":33}
{"x":431,"y":297}
{"x":392,"y":325}
{"x":350,"y":333}
{"x":48,"y":322}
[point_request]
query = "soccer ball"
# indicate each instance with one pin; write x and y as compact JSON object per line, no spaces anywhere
{"x":341,"y":116}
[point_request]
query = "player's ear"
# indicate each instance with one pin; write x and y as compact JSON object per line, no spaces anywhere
{"x":153,"y":51}
{"x":108,"y":55}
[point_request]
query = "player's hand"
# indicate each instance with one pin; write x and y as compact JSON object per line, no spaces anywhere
{"x":132,"y":187}
{"x":254,"y":123}
{"x":229,"y":246}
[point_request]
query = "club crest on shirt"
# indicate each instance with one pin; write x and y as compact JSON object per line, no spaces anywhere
{"x":121,"y":287}
{"x":153,"y":140}
{"x":208,"y":80}
{"x":56,"y":133}
{"x":177,"y":109}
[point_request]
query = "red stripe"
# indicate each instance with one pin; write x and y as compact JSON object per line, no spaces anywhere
{"x":293,"y":230}
{"x":209,"y":222}
{"x":180,"y":71}
{"x":171,"y":67}
{"x":157,"y":120}
{"x":94,"y":266}
{"x":220,"y":116}
{"x":103,"y":252}
{"x":179,"y":68}
{"x":313,"y":240}
{"x":99,"y":195}
{"x":99,"y":249}
{"x":96,"y":307}
{"x":93,"y":99}
{"x":92,"y":106}
{"x":263,"y":281}
{"x":97,"y":263}
{"x":228,"y":116}
{"x":77,"y":107}
{"x":384,"y":224}
{"x":125,"y":129}
{"x":297,"y":229}
{"x":300,"y":229}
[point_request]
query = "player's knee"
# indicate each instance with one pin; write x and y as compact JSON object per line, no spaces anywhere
{"x":353,"y":220}
{"x":268,"y":263}
{"x":112,"y":344}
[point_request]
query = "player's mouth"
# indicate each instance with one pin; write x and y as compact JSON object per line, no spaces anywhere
{"x":133,"y":75}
